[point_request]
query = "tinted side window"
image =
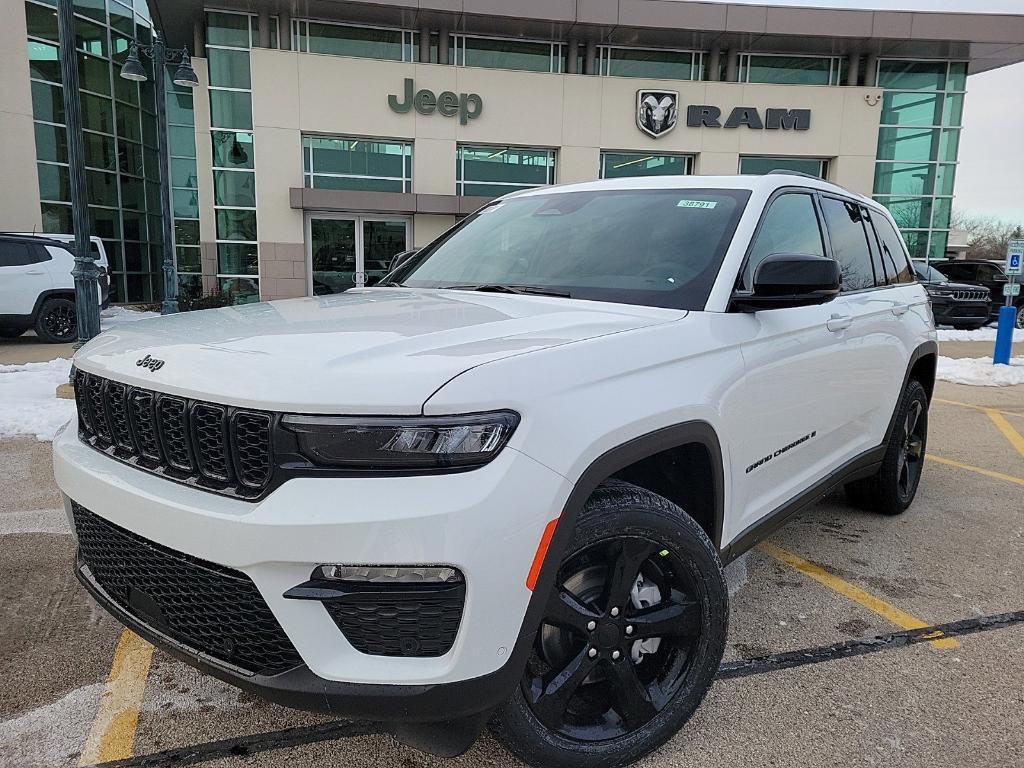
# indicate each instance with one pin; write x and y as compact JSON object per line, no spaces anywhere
{"x":15,"y":254}
{"x":955,"y":271}
{"x":897,"y":265}
{"x":988,"y":272}
{"x":849,"y":243}
{"x":789,"y":226}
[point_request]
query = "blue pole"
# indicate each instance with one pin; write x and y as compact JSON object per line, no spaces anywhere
{"x":1004,"y":335}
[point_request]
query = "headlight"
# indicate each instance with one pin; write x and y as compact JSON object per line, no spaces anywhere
{"x":352,"y":442}
{"x":943,"y":293}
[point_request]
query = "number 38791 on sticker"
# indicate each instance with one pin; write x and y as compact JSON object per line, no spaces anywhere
{"x":696,"y":204}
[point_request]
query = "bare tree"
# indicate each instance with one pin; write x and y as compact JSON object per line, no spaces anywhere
{"x":989,"y":235}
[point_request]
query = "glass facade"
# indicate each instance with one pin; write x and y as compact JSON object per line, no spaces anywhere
{"x":649,"y":62}
{"x":792,"y":70}
{"x":759,"y":165}
{"x":387,"y":44}
{"x":616,"y":165}
{"x":336,"y":162}
{"x":184,"y":186}
{"x":496,"y":171}
{"x":229,"y":38}
{"x":119,"y":137}
{"x":918,"y":143}
{"x":506,"y":53}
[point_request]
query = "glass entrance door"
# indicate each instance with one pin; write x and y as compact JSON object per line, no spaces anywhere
{"x":352,"y":251}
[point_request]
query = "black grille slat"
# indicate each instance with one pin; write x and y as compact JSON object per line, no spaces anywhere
{"x":172,"y":426}
{"x":251,"y":438}
{"x":220,"y":448}
{"x":210,"y":608}
{"x":403,"y":625}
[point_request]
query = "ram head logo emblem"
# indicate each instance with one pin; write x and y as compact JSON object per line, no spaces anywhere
{"x":656,"y":111}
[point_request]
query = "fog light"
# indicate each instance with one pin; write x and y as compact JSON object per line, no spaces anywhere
{"x":389,"y":574}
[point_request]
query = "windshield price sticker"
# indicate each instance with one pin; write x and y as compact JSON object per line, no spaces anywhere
{"x":708,"y":204}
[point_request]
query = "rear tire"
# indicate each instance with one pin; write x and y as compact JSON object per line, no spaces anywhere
{"x":892,"y":489}
{"x":604,"y":686}
{"x":57,"y":321}
{"x":1019,"y":322}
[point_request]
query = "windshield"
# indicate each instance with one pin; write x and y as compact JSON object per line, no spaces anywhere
{"x":929,"y":274}
{"x":658,"y":247}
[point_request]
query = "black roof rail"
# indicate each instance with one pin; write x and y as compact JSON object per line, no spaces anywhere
{"x":783,"y":172}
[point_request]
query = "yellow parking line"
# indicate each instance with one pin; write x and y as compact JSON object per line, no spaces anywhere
{"x":858,"y":595}
{"x":974,"y":407}
{"x":1008,"y":431}
{"x":979,"y":470}
{"x":112,"y":735}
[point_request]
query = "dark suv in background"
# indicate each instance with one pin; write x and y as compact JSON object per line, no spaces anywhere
{"x":961,"y":305}
{"x":986,"y":273}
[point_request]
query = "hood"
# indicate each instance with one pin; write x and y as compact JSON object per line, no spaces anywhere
{"x":372,"y":350}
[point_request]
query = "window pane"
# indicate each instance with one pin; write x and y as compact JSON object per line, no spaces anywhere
{"x":237,"y":259}
{"x":227,"y":29}
{"x":909,"y":212}
{"x":953,"y":112}
{"x":912,"y":109}
{"x":54,"y":182}
{"x":241,"y":290}
{"x":904,"y":179}
{"x":42,"y":22}
{"x":94,"y":74}
{"x":230,"y":109}
{"x":105,"y":223}
{"x":942,"y":210}
{"x":229,"y":68}
{"x":358,"y":164}
{"x":91,"y":38}
{"x":133,"y":193}
{"x":130,"y":155}
{"x":121,"y":19}
{"x":908,"y":144}
{"x":180,"y":108}
{"x":358,"y":183}
{"x":101,"y":188}
{"x":43,"y":62}
{"x":893,"y":255}
{"x":949,"y":144}
{"x":188,"y":259}
{"x":849,"y":244}
{"x":234,"y":188}
{"x":97,"y":113}
{"x":945,"y":177}
{"x":236,"y":225}
{"x":790,"y":226}
{"x":184,"y":174}
{"x":632,"y":62}
{"x":94,"y":9}
{"x":617,"y":165}
{"x":47,"y":102}
{"x":51,"y":143}
{"x":957,"y":76}
{"x":232,"y":149}
{"x":364,"y":43}
{"x":519,"y":167}
{"x":185,"y":203}
{"x":56,"y":218}
{"x":186,"y":232}
{"x":507,"y":54}
{"x":796,"y":70}
{"x":182,"y":140}
{"x":128,"y":125}
{"x":762,"y":165}
{"x":912,"y":75}
{"x":937,"y":246}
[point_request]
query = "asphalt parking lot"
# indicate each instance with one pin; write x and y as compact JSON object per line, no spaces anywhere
{"x":827,"y":663}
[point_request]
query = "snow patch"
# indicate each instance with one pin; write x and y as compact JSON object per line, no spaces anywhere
{"x":50,"y":735}
{"x":980,"y":372}
{"x":988,"y":333}
{"x":113,"y":316}
{"x":28,"y":399}
{"x":176,"y":687}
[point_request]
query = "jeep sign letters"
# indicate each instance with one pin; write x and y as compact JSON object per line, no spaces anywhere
{"x":467,"y":106}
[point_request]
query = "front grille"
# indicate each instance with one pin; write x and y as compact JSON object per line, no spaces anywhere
{"x":223,"y":449}
{"x":407,"y":624}
{"x":209,"y":608}
{"x":969,"y":295}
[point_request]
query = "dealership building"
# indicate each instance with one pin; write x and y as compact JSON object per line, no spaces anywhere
{"x":324,"y":137}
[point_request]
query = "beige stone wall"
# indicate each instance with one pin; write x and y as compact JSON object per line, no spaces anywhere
{"x":578,"y":116}
{"x":19,"y":182}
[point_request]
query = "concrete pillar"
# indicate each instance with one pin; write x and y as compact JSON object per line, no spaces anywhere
{"x":444,"y":41}
{"x":590,"y":60}
{"x":199,"y":36}
{"x":425,"y":45}
{"x":284,"y":19}
{"x":572,"y":60}
{"x":714,"y":73}
{"x":732,"y":65}
{"x":853,"y":69}
{"x":871,"y":73}
{"x":264,"y":24}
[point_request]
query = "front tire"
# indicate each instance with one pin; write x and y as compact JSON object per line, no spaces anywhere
{"x":57,"y":322}
{"x":1019,"y":322}
{"x":892,"y":489}
{"x":631,"y":639}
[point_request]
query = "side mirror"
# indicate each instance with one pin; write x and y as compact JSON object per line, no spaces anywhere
{"x":791,"y":280}
{"x":399,"y":259}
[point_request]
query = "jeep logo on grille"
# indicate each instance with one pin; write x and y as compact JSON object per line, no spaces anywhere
{"x":150,"y":362}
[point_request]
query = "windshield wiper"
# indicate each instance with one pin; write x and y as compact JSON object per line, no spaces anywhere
{"x":534,"y":290}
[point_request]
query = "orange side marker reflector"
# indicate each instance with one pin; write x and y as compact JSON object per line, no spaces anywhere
{"x":542,"y":550}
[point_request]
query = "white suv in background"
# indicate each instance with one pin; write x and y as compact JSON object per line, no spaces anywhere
{"x":37,"y":289}
{"x":501,"y":485}
{"x":98,"y":251}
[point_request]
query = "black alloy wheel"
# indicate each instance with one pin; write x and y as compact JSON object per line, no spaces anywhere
{"x":911,"y":454}
{"x":57,"y":321}
{"x":1019,"y":322}
{"x":631,"y":637}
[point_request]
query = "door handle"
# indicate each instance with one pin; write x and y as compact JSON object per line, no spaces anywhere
{"x":34,"y":272}
{"x":838,"y":323}
{"x":900,"y":309}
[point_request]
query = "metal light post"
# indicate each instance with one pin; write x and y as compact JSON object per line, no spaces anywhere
{"x":86,"y":273}
{"x":132,"y":69}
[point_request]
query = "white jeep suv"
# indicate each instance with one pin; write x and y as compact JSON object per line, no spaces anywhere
{"x":502,"y":484}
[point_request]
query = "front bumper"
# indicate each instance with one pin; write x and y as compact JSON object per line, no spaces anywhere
{"x":487,"y":523}
{"x":948,"y":311}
